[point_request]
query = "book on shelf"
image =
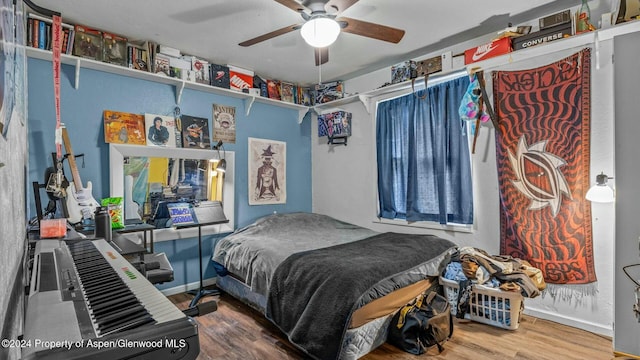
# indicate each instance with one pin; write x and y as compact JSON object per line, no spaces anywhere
{"x":273,"y":89}
{"x":161,"y":65}
{"x":219,"y":76}
{"x":42,"y":35}
{"x":287,"y":92}
{"x":39,"y":33}
{"x":138,"y":56}
{"x":304,"y":96}
{"x":201,"y":69}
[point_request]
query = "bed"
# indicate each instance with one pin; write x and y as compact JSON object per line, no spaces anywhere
{"x":330,"y":286}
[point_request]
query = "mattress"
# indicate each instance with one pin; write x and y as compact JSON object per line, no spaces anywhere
{"x":369,"y":324}
{"x":252,"y":254}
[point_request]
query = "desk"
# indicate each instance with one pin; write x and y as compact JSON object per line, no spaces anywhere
{"x":140,"y":227}
{"x":201,"y":292}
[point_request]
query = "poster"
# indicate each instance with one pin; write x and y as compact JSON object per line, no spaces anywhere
{"x":224,"y":124}
{"x":267,"y":172}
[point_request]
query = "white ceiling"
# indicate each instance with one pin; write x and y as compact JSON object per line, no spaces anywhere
{"x":212,"y":29}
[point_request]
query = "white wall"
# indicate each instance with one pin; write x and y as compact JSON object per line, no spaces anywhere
{"x":344,"y":186}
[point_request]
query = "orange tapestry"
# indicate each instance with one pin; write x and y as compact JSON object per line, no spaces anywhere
{"x":542,"y":149}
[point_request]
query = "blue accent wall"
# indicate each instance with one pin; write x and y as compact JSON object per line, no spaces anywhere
{"x":81,"y":111}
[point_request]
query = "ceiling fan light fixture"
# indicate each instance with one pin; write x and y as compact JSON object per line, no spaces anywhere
{"x":320,"y":32}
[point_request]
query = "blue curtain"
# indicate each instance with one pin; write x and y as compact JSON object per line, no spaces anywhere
{"x":424,"y":170}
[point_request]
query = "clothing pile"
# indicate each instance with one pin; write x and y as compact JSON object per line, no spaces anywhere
{"x":471,"y":266}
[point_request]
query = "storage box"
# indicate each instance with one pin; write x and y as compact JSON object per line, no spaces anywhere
{"x":114,"y":49}
{"x":544,"y":36}
{"x":556,"y":19}
{"x":403,"y":71}
{"x":488,"y":50}
{"x":335,"y":124}
{"x":429,"y":66}
{"x":329,"y":92}
{"x":487,"y":305}
{"x":87,"y":43}
{"x":53,"y":228}
{"x":240,"y":78}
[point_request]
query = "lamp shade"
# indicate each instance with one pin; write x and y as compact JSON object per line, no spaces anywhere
{"x":222,"y":165}
{"x":320,"y":31}
{"x":600,"y":192}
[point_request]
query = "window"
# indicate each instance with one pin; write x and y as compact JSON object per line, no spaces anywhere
{"x":424,"y":163}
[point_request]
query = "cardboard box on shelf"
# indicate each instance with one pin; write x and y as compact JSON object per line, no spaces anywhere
{"x":543,"y":36}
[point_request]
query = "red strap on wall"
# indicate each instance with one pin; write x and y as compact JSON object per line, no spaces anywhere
{"x":56,"y":33}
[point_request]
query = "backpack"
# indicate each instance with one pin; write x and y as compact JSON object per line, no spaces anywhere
{"x":422,"y":324}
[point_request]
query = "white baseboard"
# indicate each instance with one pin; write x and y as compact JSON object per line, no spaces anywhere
{"x":186,"y":287}
{"x":580,"y":324}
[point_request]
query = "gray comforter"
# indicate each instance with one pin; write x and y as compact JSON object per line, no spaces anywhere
{"x":314,"y":293}
{"x":254,"y":252}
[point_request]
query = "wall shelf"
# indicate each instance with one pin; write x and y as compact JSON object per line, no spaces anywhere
{"x":593,"y":37}
{"x":365,"y":98}
{"x":178,"y":84}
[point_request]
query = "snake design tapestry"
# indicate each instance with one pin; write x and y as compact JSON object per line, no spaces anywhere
{"x":542,"y":149}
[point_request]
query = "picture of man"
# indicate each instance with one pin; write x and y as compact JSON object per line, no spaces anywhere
{"x":158,"y":134}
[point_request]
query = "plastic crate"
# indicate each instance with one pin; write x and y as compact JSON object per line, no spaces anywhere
{"x":487,"y":305}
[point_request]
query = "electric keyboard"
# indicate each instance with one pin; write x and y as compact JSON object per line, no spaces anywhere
{"x":87,"y":301}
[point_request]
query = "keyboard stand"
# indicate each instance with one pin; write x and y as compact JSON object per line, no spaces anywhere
{"x":201,"y":292}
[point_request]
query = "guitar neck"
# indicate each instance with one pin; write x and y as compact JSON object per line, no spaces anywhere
{"x":72,"y":160}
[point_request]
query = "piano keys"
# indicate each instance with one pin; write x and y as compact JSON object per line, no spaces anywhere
{"x":87,"y":301}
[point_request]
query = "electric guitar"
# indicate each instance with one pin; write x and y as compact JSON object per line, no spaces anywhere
{"x":80,"y":202}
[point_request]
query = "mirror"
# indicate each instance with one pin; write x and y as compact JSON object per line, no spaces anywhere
{"x":144,"y":176}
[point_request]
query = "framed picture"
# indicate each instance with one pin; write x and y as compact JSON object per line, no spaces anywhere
{"x":195,"y":132}
{"x":267,"y":172}
{"x":161,"y":130}
{"x":124,"y":128}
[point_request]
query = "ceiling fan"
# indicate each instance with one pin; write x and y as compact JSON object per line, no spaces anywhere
{"x":318,"y":13}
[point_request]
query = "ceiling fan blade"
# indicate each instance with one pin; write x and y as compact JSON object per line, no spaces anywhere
{"x":292,"y":4}
{"x":338,"y":6}
{"x":270,"y":35}
{"x":371,"y":30}
{"x":321,"y":55}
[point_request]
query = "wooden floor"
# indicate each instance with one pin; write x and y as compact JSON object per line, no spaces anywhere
{"x":235,"y":331}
